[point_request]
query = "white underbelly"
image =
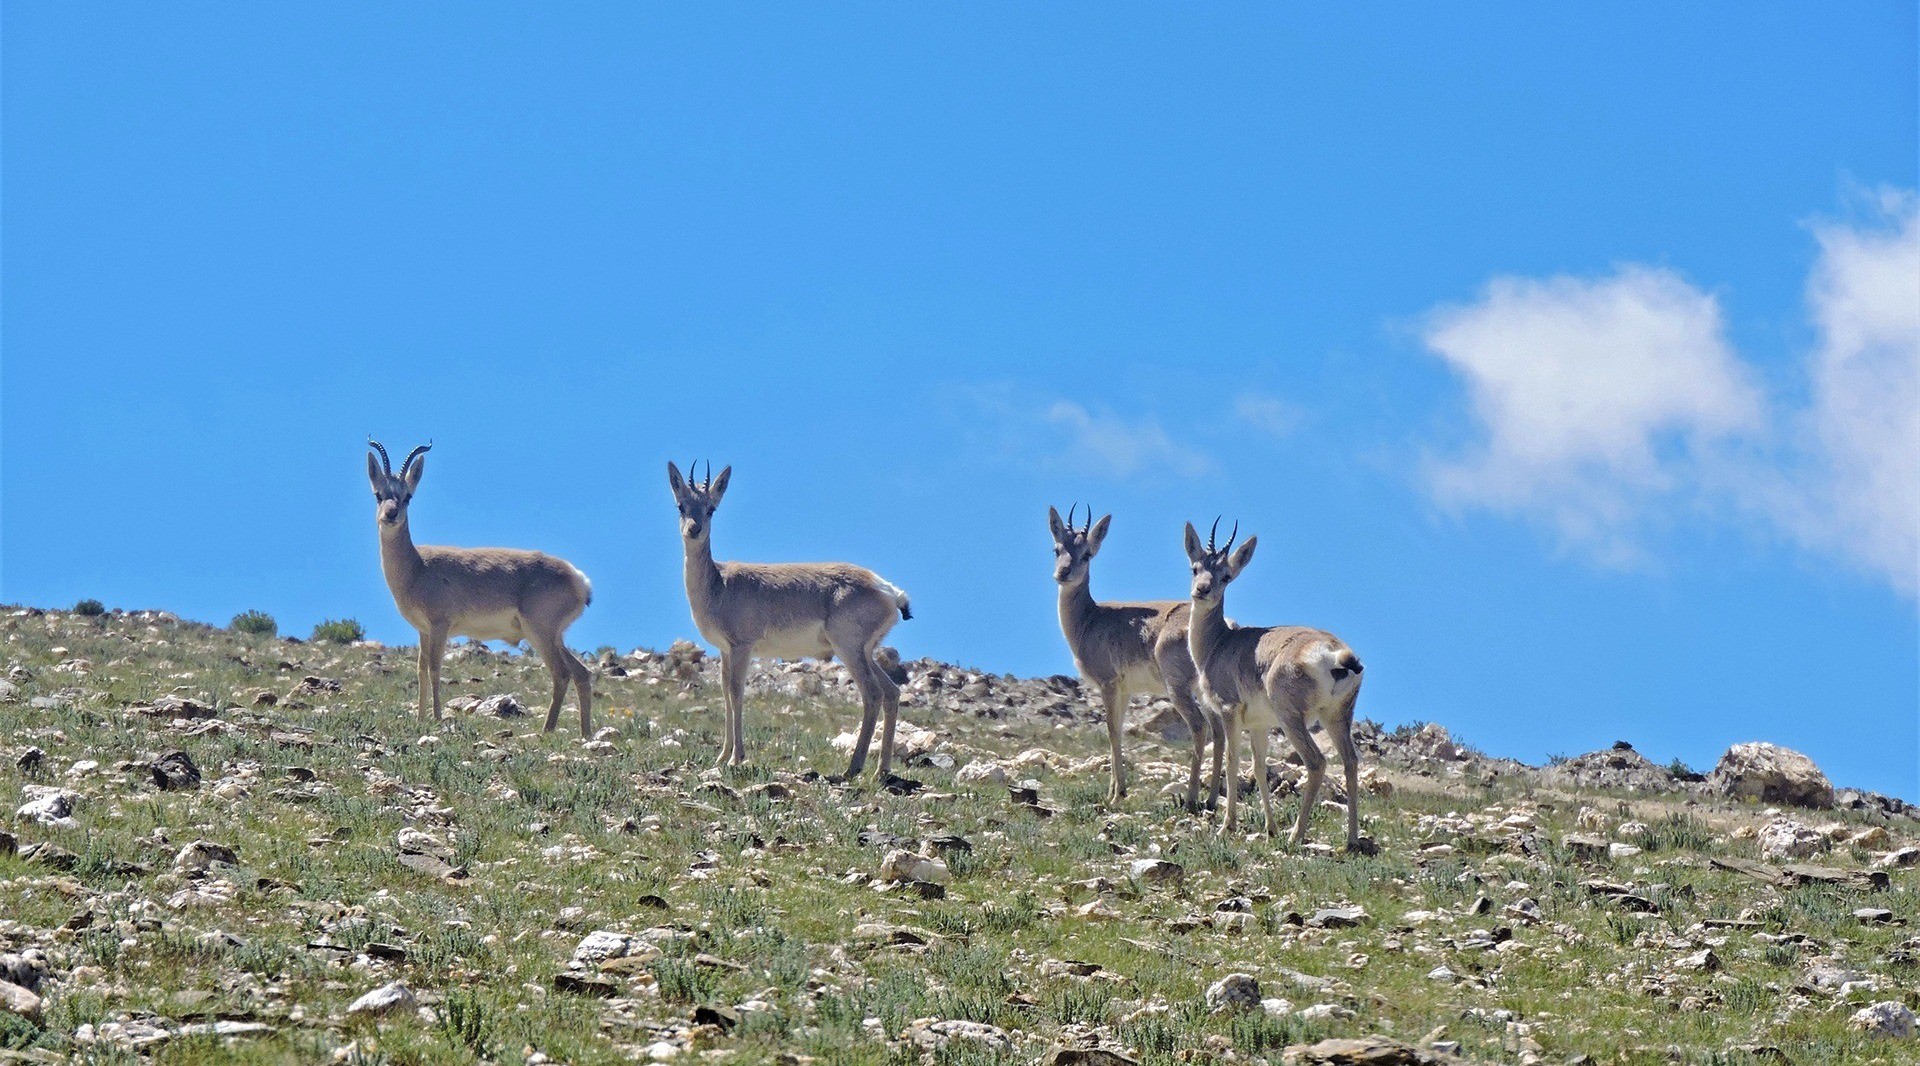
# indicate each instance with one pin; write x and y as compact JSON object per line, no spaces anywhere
{"x":1142,"y":679}
{"x":502,"y":625}
{"x":804,"y":642}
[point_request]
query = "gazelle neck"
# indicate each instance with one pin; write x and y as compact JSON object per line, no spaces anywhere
{"x":1208,"y":625}
{"x":1076,"y":602}
{"x":399,"y":559}
{"x":703,"y":577}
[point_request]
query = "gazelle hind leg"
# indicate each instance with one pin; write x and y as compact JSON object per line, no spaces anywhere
{"x":1342,"y":730}
{"x":1259,"y":745}
{"x":1217,"y":722}
{"x":1295,"y":726}
{"x":552,"y":656}
{"x":860,"y":665}
{"x":1232,"y":716}
{"x":1198,"y":725}
{"x":583,"y":688}
{"x":889,"y":710}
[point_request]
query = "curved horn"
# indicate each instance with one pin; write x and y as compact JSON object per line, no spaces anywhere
{"x":415,"y":454}
{"x":1070,"y":511}
{"x":385,"y":466}
{"x":1231,"y":537}
{"x":1088,"y":527}
{"x":1211,"y":532}
{"x":708,"y":484}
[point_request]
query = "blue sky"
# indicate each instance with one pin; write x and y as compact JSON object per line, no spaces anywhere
{"x":1562,"y":358}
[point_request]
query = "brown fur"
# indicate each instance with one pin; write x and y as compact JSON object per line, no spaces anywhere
{"x":484,"y":593}
{"x":1261,"y":678}
{"x":1123,"y":648}
{"x":788,"y":610}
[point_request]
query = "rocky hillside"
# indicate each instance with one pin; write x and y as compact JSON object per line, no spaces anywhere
{"x":217,"y":847}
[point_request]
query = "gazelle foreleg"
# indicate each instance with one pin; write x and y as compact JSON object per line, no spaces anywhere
{"x":1258,"y":737}
{"x":733,"y":680}
{"x":1114,"y":696}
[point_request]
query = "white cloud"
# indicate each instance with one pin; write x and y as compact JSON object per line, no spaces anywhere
{"x":1858,"y":494}
{"x":1071,"y":437}
{"x":1270,"y":415}
{"x":1594,"y":398}
{"x":1107,"y":445}
{"x":1602,"y":403}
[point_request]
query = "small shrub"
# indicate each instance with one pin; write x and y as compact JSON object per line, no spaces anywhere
{"x":89,"y":608}
{"x":338,"y":631}
{"x":258,"y":623}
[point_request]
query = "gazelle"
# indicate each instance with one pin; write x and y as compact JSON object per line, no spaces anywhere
{"x":787,"y":610}
{"x":1127,"y":649}
{"x":1261,"y":678}
{"x":483,"y":593}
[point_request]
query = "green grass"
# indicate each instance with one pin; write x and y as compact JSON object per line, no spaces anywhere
{"x":559,"y":841}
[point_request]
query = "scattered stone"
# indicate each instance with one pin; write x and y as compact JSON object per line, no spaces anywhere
{"x":1784,"y":838}
{"x":1063,"y":1056}
{"x":932,"y":1034}
{"x":580,"y":984}
{"x":1704,"y":961}
{"x":501,"y":706}
{"x":30,"y":760}
{"x":48,"y":805}
{"x":1364,"y":1051}
{"x":902,"y":865}
{"x":1889,"y":1018}
{"x":1157,"y":871}
{"x":175,"y":771}
{"x":1874,"y":915}
{"x":1768,"y":773}
{"x":385,"y":1000}
{"x":198,"y":856}
{"x":1337,"y":918}
{"x":1236,"y":991}
{"x":17,"y":1000}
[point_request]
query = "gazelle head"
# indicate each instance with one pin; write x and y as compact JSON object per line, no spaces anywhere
{"x":1074,"y":549}
{"x":1216,"y":567}
{"x":696,"y":500}
{"x":391,"y":494}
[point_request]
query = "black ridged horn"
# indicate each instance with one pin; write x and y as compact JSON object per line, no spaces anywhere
{"x":415,"y":454}
{"x":385,"y":466}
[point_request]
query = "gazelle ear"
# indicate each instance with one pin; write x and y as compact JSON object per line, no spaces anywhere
{"x":1097,"y":534}
{"x":1054,"y":523}
{"x":1194,"y":548}
{"x":373,"y":473}
{"x":675,"y":481}
{"x":411,"y":475}
{"x":719,"y":488}
{"x":1241,"y":557}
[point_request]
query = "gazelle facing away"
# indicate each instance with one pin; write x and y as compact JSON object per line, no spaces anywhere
{"x":483,"y":593}
{"x":789,"y":611}
{"x":1262,"y":678}
{"x":1124,"y":649}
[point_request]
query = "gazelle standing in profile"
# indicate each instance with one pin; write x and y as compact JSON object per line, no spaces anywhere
{"x":483,"y":593}
{"x":1261,"y":678}
{"x":1127,"y":649}
{"x":789,"y":611}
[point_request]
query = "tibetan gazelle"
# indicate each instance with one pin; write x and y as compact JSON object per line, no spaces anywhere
{"x":483,"y":593}
{"x":789,"y":611}
{"x":1124,"y":649}
{"x":1261,"y":678}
